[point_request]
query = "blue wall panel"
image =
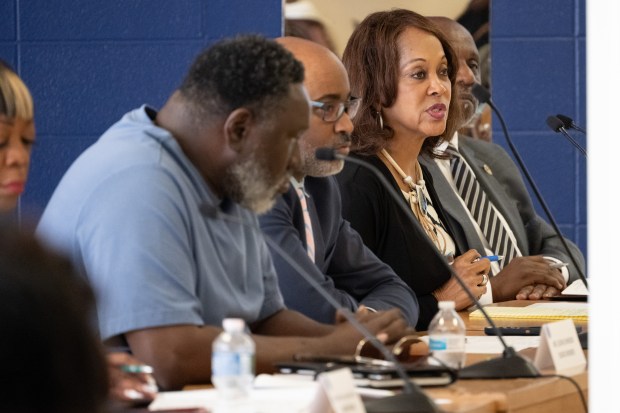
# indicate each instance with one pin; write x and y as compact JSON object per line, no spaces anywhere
{"x":535,"y":83}
{"x":8,"y":54}
{"x":88,"y":62}
{"x":538,"y":69}
{"x":94,"y":83}
{"x":110,"y":19}
{"x":533,"y":18}
{"x":7,"y":28}
{"x":249,"y":16}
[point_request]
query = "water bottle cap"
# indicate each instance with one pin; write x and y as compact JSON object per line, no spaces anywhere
{"x":233,"y":324}
{"x":446,"y":305}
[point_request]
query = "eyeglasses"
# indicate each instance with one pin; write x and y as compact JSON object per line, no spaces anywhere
{"x":406,"y":350}
{"x":332,"y":111}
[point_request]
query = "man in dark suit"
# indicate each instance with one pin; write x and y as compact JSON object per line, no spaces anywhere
{"x":307,"y":220}
{"x":538,"y":248}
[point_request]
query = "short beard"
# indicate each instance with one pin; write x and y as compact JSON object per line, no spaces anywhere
{"x":319,"y":169}
{"x":247,"y":184}
{"x":311,"y":166}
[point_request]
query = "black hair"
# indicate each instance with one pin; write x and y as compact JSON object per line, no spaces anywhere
{"x":245,"y":71}
{"x":47,"y":345}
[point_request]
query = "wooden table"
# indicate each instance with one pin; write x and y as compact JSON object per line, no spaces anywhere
{"x":546,"y":394}
{"x":539,"y":395}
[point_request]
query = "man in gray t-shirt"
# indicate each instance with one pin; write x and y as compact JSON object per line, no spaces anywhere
{"x":159,"y":214}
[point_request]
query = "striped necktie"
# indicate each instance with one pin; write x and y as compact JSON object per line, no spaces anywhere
{"x":481,"y":208}
{"x":307,"y":222}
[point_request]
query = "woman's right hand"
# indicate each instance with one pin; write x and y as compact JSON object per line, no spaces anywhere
{"x":470,"y":269}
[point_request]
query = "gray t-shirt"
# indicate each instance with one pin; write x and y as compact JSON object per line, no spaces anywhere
{"x":128,"y":213}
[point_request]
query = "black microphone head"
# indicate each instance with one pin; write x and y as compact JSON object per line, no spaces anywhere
{"x":481,"y":93}
{"x":325,"y":154}
{"x":568,"y":122}
{"x":555,"y":123}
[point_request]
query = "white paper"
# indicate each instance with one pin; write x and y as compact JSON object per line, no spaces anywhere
{"x":576,"y":288}
{"x":270,"y":395}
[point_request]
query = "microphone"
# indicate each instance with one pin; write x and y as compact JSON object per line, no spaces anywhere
{"x":557,"y":125}
{"x":511,"y":364}
{"x":483,"y":95}
{"x":413,"y":399}
{"x":569,"y":123}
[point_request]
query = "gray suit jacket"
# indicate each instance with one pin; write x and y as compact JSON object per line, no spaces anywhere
{"x":506,"y":189}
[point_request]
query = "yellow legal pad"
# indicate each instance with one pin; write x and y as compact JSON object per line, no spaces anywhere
{"x":580,"y":314}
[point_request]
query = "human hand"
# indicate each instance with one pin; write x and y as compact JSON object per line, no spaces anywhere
{"x":537,"y":292}
{"x":388,"y":326}
{"x":472,"y":271}
{"x":127,"y":386}
{"x":533,"y":271}
{"x":361,"y":311}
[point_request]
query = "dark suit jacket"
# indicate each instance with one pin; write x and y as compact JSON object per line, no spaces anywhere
{"x":348,"y":270}
{"x":396,"y":237}
{"x":505,"y":188}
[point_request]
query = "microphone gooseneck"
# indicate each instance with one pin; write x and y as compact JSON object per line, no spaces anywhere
{"x":570,"y":123}
{"x":557,"y":125}
{"x":413,"y":396}
{"x":511,"y":365}
{"x":483,"y":95}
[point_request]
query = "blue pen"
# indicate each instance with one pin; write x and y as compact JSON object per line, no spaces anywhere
{"x":491,"y":258}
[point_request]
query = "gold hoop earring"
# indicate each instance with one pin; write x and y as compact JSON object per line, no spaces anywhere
{"x":380,"y":120}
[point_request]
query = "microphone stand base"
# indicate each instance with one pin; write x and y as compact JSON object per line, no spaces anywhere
{"x":402,"y":403}
{"x":510,"y":366}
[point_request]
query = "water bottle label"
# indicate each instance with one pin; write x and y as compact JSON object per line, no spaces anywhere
{"x":232,"y":364}
{"x":438,"y":344}
{"x":452,"y":343}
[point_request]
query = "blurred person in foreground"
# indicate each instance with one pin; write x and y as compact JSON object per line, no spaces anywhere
{"x":160,"y":215}
{"x":529,"y":274}
{"x":307,"y":220}
{"x":51,"y":359}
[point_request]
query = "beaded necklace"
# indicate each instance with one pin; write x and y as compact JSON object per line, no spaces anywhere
{"x":418,"y":202}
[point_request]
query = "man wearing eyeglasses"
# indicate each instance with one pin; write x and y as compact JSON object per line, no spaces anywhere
{"x":307,"y":219}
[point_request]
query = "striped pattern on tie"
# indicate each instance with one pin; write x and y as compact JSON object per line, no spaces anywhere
{"x":307,"y":221}
{"x":481,"y":208}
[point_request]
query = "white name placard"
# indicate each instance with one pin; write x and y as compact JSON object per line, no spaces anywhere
{"x":560,"y":349}
{"x":337,"y":394}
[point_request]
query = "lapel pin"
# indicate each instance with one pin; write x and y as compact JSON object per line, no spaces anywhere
{"x":487,"y":169}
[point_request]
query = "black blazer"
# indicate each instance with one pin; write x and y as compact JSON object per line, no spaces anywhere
{"x":397,"y":238}
{"x":343,"y":266}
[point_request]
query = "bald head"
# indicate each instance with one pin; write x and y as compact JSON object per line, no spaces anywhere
{"x":319,"y":63}
{"x":326,"y":82}
{"x":469,"y":62}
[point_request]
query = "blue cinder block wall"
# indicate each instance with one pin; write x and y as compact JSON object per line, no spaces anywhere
{"x":88,"y":62}
{"x":538,"y":69}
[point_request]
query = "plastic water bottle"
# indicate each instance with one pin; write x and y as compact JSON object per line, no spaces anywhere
{"x":447,"y":337}
{"x":232,"y":362}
